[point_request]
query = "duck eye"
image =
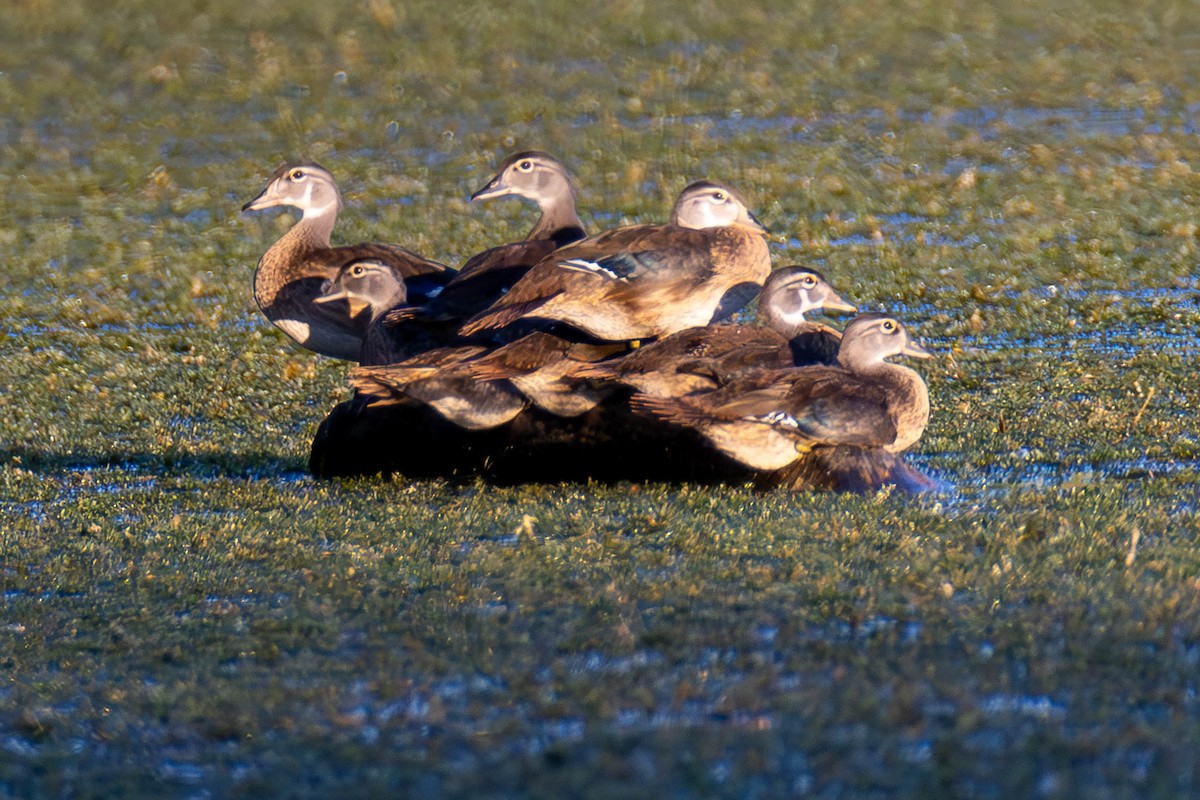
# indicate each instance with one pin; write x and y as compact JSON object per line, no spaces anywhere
{"x":809,"y":281}
{"x":525,"y":166}
{"x":719,"y":197}
{"x":297,"y":175}
{"x":357,"y":271}
{"x":888,"y":326}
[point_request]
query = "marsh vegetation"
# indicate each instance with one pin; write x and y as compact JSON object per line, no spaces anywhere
{"x":187,"y":613}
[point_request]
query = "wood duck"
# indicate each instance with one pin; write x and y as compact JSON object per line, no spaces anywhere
{"x":535,"y":176}
{"x":767,"y":419}
{"x":437,"y":379}
{"x":294,"y":270}
{"x":539,"y":177}
{"x":703,"y":358}
{"x":788,"y":294}
{"x":366,"y":285}
{"x":645,"y":281}
{"x":538,"y":365}
{"x":377,"y":288}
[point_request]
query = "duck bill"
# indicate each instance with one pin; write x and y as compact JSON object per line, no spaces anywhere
{"x":266,"y":199}
{"x":357,"y":304}
{"x":496,"y":187}
{"x":916,"y":351}
{"x":834,"y":302}
{"x":753,"y":224}
{"x":329,"y":298}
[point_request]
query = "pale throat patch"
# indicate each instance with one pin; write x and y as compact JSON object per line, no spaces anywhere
{"x":793,"y":316}
{"x":321,"y":211}
{"x":294,"y":328}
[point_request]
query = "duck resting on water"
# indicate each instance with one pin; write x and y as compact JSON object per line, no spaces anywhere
{"x":766,"y":419}
{"x":646,"y":281}
{"x":295,"y":270}
{"x":704,"y":357}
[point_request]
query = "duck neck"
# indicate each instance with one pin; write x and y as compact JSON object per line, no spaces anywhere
{"x":866,"y":364}
{"x":787,"y":325}
{"x":316,"y":226}
{"x":308,"y":235}
{"x":558,"y":222}
{"x":311,"y":232}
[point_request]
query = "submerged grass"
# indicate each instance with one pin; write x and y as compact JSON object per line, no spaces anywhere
{"x":186,"y":613}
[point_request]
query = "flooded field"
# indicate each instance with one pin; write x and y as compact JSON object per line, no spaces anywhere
{"x":187,"y":613}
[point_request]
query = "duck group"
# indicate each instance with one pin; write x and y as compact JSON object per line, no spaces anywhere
{"x":572,"y":356}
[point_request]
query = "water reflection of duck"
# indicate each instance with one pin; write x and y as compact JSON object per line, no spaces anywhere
{"x":296,"y":269}
{"x":702,"y":358}
{"x":644,"y":281}
{"x":766,"y":419}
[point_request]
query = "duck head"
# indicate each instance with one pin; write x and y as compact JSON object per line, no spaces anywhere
{"x":366,"y":284}
{"x":305,"y":185}
{"x":872,"y":338}
{"x":707,"y":204}
{"x":531,"y":174}
{"x":790,"y":292}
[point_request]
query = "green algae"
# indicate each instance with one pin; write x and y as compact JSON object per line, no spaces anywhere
{"x":186,"y":612}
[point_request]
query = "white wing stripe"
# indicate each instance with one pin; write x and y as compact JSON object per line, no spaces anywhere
{"x":580,"y":265}
{"x":781,"y":419}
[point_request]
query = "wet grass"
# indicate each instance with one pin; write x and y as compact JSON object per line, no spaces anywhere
{"x":186,"y":613}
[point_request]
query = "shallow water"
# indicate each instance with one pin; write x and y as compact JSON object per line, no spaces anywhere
{"x":187,"y":612}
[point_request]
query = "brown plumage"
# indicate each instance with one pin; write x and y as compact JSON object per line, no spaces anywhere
{"x":646,"y":281}
{"x":764,"y":419}
{"x":294,"y":270}
{"x":703,"y":358}
{"x":438,"y":379}
{"x":532,"y":175}
{"x":539,"y":364}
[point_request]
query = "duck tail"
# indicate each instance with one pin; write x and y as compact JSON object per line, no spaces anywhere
{"x":669,"y":409}
{"x":387,"y":381}
{"x":373,"y":382}
{"x":592,"y":371}
{"x":401,"y":314}
{"x":484,"y":370}
{"x":502,"y":316}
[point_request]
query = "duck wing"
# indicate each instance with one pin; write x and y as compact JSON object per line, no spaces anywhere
{"x":485,"y":277}
{"x":387,"y":380}
{"x":822,"y":405}
{"x":613,"y":265}
{"x":523,"y":356}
